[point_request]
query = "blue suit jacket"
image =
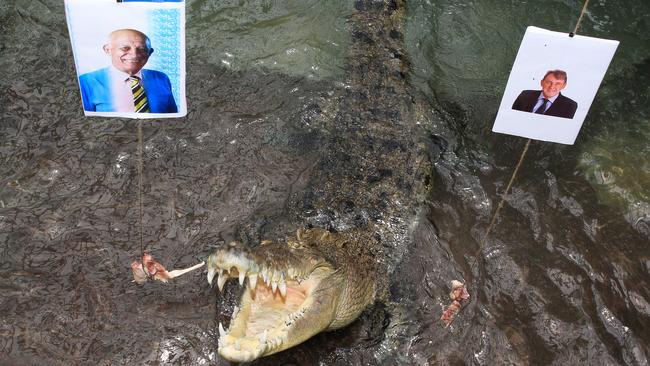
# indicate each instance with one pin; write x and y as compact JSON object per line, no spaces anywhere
{"x":97,"y":96}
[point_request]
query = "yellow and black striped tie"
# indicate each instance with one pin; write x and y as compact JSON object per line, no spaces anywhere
{"x":141,"y":105}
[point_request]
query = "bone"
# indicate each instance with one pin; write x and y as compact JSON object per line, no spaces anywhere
{"x":177,"y":272}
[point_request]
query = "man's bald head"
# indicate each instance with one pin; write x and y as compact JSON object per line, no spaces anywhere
{"x":129,"y":50}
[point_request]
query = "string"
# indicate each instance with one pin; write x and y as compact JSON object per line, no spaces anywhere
{"x":140,"y":187}
{"x":505,"y":193}
{"x":584,"y":10}
{"x":521,"y":159}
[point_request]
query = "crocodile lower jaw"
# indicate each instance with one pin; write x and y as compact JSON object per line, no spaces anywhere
{"x":264,"y":322}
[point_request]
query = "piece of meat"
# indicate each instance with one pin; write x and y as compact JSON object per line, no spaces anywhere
{"x":150,"y":268}
{"x":458,"y":293}
{"x":139,"y":275}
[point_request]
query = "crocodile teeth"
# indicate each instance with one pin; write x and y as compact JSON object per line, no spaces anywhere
{"x":274,"y":285}
{"x":263,"y":336}
{"x":242,"y":275}
{"x":221,"y":281}
{"x":283,"y":289}
{"x":222,"y":332}
{"x":252,"y":281}
{"x":211,"y":274}
{"x":277,"y":343}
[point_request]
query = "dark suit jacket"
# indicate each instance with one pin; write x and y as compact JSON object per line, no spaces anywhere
{"x":97,"y":96}
{"x":562,"y":107}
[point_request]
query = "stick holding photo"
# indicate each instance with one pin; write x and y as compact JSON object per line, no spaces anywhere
{"x":552,"y":84}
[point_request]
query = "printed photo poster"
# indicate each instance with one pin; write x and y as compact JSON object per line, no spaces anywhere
{"x":552,"y":84}
{"x":129,"y":56}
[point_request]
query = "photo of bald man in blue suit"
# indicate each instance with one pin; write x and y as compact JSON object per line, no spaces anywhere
{"x":125,"y":86}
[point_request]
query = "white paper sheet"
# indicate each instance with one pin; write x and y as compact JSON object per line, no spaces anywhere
{"x":585,"y":61}
{"x":90,"y":22}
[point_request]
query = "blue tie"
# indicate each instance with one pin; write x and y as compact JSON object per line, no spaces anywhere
{"x":542,"y":108}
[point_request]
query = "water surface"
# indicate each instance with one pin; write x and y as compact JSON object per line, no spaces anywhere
{"x":563,"y":277}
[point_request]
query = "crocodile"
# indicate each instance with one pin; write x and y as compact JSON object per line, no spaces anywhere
{"x":361,"y":195}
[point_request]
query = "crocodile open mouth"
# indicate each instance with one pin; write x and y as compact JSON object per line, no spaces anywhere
{"x":276,"y":310}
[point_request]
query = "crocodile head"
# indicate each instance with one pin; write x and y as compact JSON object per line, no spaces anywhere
{"x":314,"y":282}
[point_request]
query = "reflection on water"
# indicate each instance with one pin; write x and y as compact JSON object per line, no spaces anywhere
{"x":563,"y":277}
{"x":306,"y":38}
{"x":615,"y":160}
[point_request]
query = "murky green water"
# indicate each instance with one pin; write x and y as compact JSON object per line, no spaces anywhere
{"x":305,"y":38}
{"x":290,"y":108}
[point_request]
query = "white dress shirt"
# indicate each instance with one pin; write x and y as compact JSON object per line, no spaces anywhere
{"x":121,"y":89}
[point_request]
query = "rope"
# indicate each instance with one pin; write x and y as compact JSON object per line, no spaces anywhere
{"x":501,"y":202}
{"x":521,"y":159}
{"x":584,"y":10}
{"x":505,"y":193}
{"x":140,"y":187}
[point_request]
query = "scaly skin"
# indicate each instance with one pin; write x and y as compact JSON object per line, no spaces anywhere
{"x":317,"y":281}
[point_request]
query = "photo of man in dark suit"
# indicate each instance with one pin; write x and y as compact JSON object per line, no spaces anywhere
{"x":125,"y":86}
{"x":548,"y":101}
